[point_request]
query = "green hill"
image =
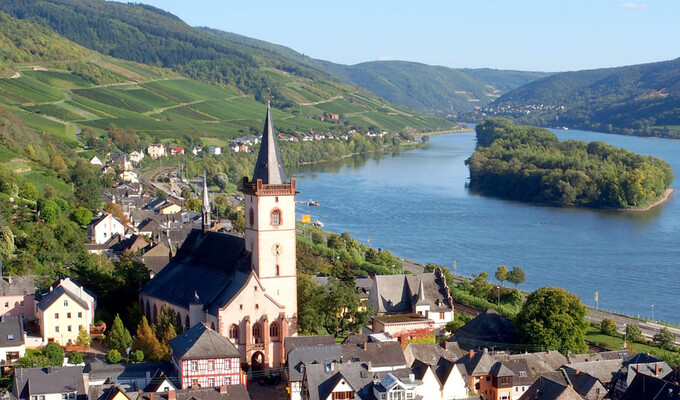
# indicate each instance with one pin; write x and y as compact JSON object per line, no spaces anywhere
{"x":636,"y":100}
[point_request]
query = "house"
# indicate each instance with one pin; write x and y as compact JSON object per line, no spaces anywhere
{"x":426,"y":294}
{"x":623,"y":379}
{"x":156,"y":150}
{"x":645,"y":387}
{"x":49,"y":383}
{"x":404,"y":327}
{"x":431,"y":353}
{"x":128,"y":176}
{"x":63,"y":311}
{"x":177,"y":151}
{"x":196,"y":149}
{"x":584,"y":384}
{"x":243,"y":287}
{"x":169,"y":208}
{"x":202,"y":357}
{"x":301,"y":356}
{"x":136,"y":376}
{"x":215,"y":150}
{"x":96,"y":161}
{"x":490,"y":329}
{"x":156,"y":258}
{"x":232,"y":392}
{"x":160,"y":383}
{"x":136,"y":156}
{"x":548,"y":389}
{"x":17,"y":295}
{"x":104,"y":227}
{"x":379,"y":356}
{"x":12,"y":341}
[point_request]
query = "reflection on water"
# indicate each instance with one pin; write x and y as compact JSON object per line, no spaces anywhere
{"x":415,"y":203}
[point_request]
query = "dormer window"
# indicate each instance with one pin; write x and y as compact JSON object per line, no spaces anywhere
{"x":10,"y":337}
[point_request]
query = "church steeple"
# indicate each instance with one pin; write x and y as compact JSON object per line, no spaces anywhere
{"x":205,"y":209}
{"x":269,"y":167}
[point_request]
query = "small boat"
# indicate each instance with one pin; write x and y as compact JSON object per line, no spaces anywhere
{"x":313,"y":203}
{"x":317,"y":223}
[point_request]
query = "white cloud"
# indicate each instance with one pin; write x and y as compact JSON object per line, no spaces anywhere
{"x":386,"y":58}
{"x":633,"y":6}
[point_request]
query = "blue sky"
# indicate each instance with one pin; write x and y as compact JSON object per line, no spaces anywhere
{"x":530,"y":35}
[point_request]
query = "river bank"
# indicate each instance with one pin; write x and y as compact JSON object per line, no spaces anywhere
{"x":666,"y":196}
{"x":462,"y":129}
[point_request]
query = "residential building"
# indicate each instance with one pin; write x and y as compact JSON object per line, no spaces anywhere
{"x":17,"y":294}
{"x":156,"y":150}
{"x":104,"y":227}
{"x":128,"y":176}
{"x":233,"y":392}
{"x":12,"y":340}
{"x":177,"y":151}
{"x":137,"y":156}
{"x":215,"y":150}
{"x":487,"y":329}
{"x":301,"y":356}
{"x":51,"y":383}
{"x":202,"y":357}
{"x":63,"y":310}
{"x":96,"y":161}
{"x":242,"y":287}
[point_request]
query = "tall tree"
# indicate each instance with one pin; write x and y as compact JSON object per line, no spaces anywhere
{"x":119,"y":338}
{"x":516,"y":276}
{"x":341,"y":308}
{"x":502,"y":274}
{"x":147,"y":342}
{"x":553,"y":318}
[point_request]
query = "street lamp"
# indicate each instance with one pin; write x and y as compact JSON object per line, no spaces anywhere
{"x":625,"y":336}
{"x":653,"y":312}
{"x":498,"y":289}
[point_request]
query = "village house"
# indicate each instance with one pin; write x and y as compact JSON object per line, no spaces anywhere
{"x":17,"y":294}
{"x":202,"y":357}
{"x":241,"y":287}
{"x":128,"y":176}
{"x":176,"y":151}
{"x":12,"y":340}
{"x":215,"y":150}
{"x":63,"y":310}
{"x":156,"y":150}
{"x":103,"y":228}
{"x":96,"y":161}
{"x":50,"y":383}
{"x":136,"y":156}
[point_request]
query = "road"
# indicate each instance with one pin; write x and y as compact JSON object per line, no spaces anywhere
{"x":649,"y":329}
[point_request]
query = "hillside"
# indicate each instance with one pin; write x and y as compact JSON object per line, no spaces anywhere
{"x":154,"y":37}
{"x":635,"y":100}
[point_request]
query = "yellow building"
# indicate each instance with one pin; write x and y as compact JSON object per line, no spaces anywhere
{"x":62,"y":311}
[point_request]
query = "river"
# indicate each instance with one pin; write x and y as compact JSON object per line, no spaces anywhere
{"x":415,"y":204}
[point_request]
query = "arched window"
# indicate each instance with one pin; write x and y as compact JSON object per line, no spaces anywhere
{"x":274,"y":330}
{"x":187,"y":322}
{"x":251,"y":217}
{"x":257,"y":333}
{"x":276,"y":217}
{"x":179,"y":318}
{"x":148,"y":309}
{"x":155,"y":313}
{"x":233,"y":332}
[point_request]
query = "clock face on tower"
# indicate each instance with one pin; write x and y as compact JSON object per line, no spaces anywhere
{"x":276,"y":249}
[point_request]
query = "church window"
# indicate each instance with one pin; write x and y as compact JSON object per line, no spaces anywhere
{"x":148,"y":310}
{"x":257,"y":334}
{"x":257,"y":306}
{"x":252,"y":217}
{"x":276,"y":217}
{"x":187,"y":322}
{"x":233,"y":332}
{"x":155,"y":314}
{"x":274,"y":330}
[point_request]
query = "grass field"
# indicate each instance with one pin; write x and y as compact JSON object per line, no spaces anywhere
{"x":54,"y":110}
{"x":28,"y":90}
{"x":615,"y":343}
{"x":58,"y":79}
{"x":41,"y":181}
{"x":186,"y":90}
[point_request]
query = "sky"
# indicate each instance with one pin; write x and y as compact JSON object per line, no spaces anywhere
{"x":527,"y":35}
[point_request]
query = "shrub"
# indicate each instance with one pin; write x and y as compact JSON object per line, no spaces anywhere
{"x":137,"y":356}
{"x":608,"y":327}
{"x":75,"y":358}
{"x":54,"y":353}
{"x":113,"y":356}
{"x":634,"y":334}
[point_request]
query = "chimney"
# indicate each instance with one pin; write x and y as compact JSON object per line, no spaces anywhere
{"x":223,"y":389}
{"x":638,"y":368}
{"x":472,"y":353}
{"x":365,"y":345}
{"x":445,"y":344}
{"x":656,"y":369}
{"x":150,"y":396}
{"x":172,"y":395}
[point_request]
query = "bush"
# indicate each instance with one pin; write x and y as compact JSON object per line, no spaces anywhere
{"x":137,"y":356}
{"x":664,"y":339}
{"x":54,"y":353}
{"x":608,"y":327}
{"x":75,"y":358}
{"x":634,"y":334}
{"x":113,"y":356}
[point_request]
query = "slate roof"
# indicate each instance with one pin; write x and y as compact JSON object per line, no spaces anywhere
{"x":11,"y":331}
{"x":487,"y":328}
{"x":201,"y":342}
{"x":301,"y":356}
{"x":269,"y":166}
{"x":292,"y":342}
{"x":430,"y":353}
{"x":500,"y":370}
{"x":523,"y":374}
{"x":478,"y":363}
{"x":16,"y":286}
{"x":645,"y":387}
{"x":321,"y":379}
{"x":547,"y":389}
{"x":399,"y":293}
{"x":379,"y":354}
{"x":603,"y":355}
{"x":50,"y":380}
{"x":233,"y":392}
{"x":99,"y":370}
{"x":604,"y":370}
{"x":214,"y":265}
{"x":53,"y":295}
{"x":157,"y":381}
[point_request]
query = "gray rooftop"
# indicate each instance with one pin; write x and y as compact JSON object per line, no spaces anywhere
{"x":53,"y":295}
{"x":11,"y":331}
{"x":202,"y":342}
{"x":292,"y":342}
{"x":16,"y":286}
{"x":431,"y":353}
{"x":301,"y":356}
{"x":603,"y":371}
{"x":269,"y":166}
{"x":50,"y":380}
{"x":399,"y":293}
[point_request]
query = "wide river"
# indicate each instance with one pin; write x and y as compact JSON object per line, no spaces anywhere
{"x":415,"y":204}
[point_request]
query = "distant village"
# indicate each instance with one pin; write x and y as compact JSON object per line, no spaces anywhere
{"x":232,"y":295}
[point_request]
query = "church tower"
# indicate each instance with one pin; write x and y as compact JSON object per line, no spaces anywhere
{"x":205,"y":208}
{"x":270,"y":222}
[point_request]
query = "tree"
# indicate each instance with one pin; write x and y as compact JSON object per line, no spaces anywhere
{"x":502,"y":274}
{"x":54,"y":353}
{"x":480,"y":286}
{"x":608,"y":327}
{"x":137,"y":356}
{"x":169,"y":324}
{"x":34,"y":360}
{"x":341,"y":308}
{"x":664,"y":338}
{"x":310,"y":299}
{"x":147,"y":342}
{"x":119,"y":337}
{"x":75,"y":358}
{"x":459,"y":321}
{"x":221,"y":180}
{"x":113,"y":356}
{"x":81,"y":216}
{"x":634,"y":333}
{"x":553,"y":318}
{"x":516,"y":276}
{"x":84,"y":338}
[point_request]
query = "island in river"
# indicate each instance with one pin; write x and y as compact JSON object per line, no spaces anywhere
{"x":530,"y":164}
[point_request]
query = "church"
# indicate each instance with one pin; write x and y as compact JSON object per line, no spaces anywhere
{"x":243,"y":287}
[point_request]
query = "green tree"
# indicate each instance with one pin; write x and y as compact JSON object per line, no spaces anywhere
{"x":7,"y":246}
{"x":310,"y":299}
{"x":502,"y":274}
{"x":50,"y":211}
{"x":34,"y":360}
{"x":553,"y":318}
{"x":147,"y":342}
{"x":54,"y":353}
{"x":459,"y":321}
{"x":169,"y":324}
{"x":341,"y":308}
{"x":480,"y":286}
{"x":118,"y":338}
{"x":221,"y":180}
{"x":113,"y":356}
{"x":137,"y":356}
{"x":608,"y":327}
{"x":516,"y":276}
{"x":81,"y":216}
{"x":664,"y":338}
{"x":75,"y":358}
{"x":84,"y":339}
{"x":634,"y":333}
{"x":29,"y":191}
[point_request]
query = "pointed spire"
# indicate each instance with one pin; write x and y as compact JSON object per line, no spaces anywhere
{"x":269,"y":167}
{"x":205,"y":209}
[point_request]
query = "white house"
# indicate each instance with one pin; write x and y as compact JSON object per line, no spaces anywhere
{"x":215,"y":150}
{"x":64,"y":310}
{"x":103,"y":228}
{"x":129,"y":176}
{"x":12,"y":342}
{"x":156,"y":150}
{"x":136,"y":156}
{"x":96,"y":161}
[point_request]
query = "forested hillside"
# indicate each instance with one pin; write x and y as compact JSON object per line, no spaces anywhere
{"x":634,"y":100}
{"x":530,"y":164}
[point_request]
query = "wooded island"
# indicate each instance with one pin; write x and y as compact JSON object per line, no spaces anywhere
{"x":530,"y":164}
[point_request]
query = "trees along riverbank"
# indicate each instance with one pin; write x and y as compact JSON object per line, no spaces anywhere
{"x":530,"y":164}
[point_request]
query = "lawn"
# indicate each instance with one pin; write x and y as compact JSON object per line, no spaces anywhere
{"x":615,"y":343}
